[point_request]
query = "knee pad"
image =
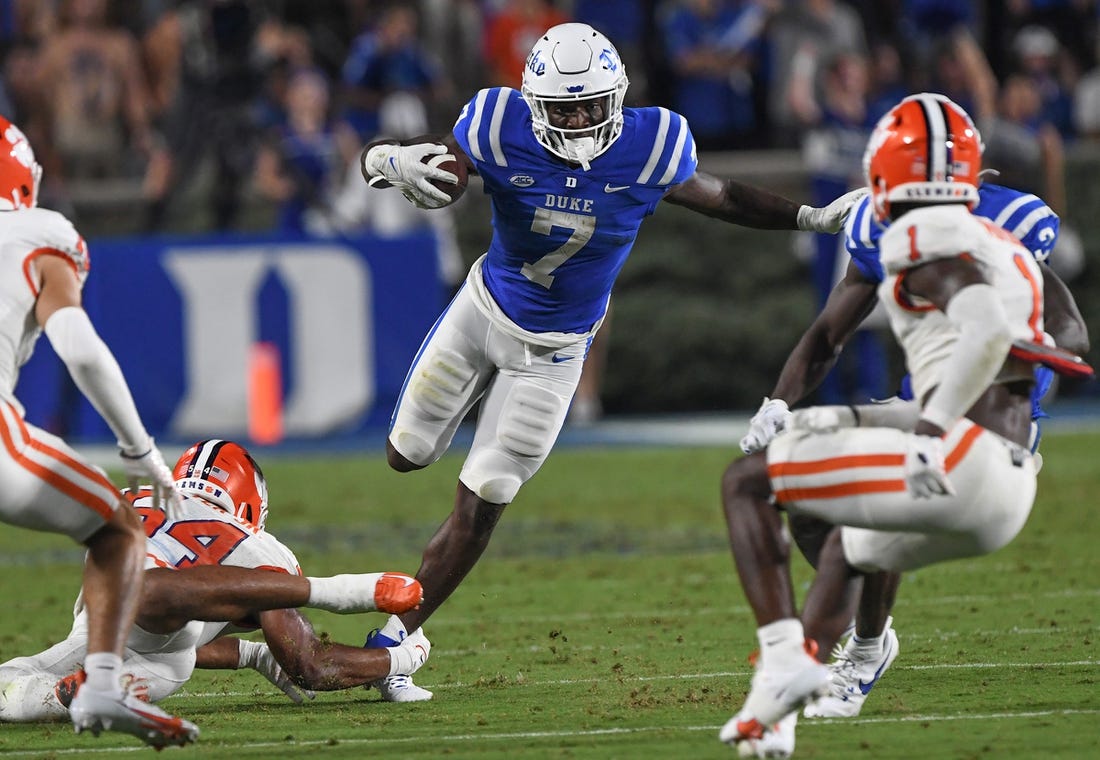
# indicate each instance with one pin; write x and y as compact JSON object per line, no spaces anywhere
{"x":530,"y":420}
{"x":438,"y":385}
{"x":528,"y":425}
{"x":492,"y":483}
{"x":416,"y":449}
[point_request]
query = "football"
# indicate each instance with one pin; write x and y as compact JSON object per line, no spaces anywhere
{"x":448,"y":163}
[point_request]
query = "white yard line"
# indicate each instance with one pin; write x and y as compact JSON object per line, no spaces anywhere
{"x":565,"y":734}
{"x":692,"y":676}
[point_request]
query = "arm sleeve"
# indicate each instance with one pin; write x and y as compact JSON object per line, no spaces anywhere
{"x":96,"y":372}
{"x":977,"y":357}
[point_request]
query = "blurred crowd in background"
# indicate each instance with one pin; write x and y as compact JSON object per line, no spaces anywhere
{"x":136,"y":101}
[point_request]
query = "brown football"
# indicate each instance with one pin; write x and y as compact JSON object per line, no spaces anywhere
{"x":448,"y":163}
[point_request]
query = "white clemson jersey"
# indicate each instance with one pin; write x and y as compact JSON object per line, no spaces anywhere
{"x":942,"y":232}
{"x":208,"y":535}
{"x":26,"y":236}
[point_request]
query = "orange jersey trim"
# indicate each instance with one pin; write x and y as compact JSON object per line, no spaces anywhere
{"x":840,"y":490}
{"x":1036,"y":299}
{"x":859,"y":487}
{"x":835,"y":463}
{"x":30,"y":257}
{"x":962,"y":448}
{"x":904,"y":301}
{"x":100,"y":506}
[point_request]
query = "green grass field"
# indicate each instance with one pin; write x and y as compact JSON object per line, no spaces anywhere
{"x":606,"y":622}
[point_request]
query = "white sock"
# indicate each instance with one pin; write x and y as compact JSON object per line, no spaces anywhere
{"x":872,"y":644}
{"x":781,"y":642}
{"x":103,"y":670}
{"x":343,"y":593}
{"x":403,"y":660}
{"x":870,"y":647}
{"x":394,"y":629}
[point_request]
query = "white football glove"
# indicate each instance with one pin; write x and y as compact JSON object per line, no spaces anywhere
{"x":770,"y":420}
{"x":407,"y":657}
{"x":829,"y":218}
{"x":402,"y":166}
{"x":257,"y":655}
{"x":925,"y":469}
{"x":148,"y":465}
{"x":822,"y":419}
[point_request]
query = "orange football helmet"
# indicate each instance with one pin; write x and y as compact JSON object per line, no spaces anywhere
{"x":20,"y":174}
{"x":225,"y":474}
{"x":925,"y":150}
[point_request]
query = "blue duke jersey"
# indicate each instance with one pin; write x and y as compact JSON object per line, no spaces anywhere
{"x":1025,"y":215}
{"x":561,"y":234}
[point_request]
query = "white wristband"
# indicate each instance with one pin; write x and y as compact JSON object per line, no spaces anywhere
{"x":247,"y":652}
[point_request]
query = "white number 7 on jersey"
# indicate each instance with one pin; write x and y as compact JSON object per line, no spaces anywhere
{"x":545,"y":220}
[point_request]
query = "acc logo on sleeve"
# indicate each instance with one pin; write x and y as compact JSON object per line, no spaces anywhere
{"x":522,"y":180}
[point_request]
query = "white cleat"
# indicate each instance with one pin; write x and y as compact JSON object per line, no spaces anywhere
{"x":400,"y":688}
{"x":854,"y":673}
{"x":774,"y":695}
{"x":777,"y":741}
{"x":98,"y":711}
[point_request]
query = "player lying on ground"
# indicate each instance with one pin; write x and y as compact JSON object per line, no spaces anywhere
{"x":571,"y":174}
{"x":215,"y":570}
{"x":964,"y":300}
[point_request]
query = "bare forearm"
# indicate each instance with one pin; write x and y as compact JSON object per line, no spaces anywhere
{"x":330,"y":667}
{"x":805,"y":368}
{"x":170,"y":598}
{"x":735,"y":202}
{"x":849,"y":303}
{"x":752,"y":207}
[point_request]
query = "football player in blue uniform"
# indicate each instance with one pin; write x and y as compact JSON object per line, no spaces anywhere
{"x":873,"y":647}
{"x":571,"y":174}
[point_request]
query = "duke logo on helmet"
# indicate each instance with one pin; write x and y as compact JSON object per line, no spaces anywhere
{"x":574,"y":63}
{"x":537,"y":67}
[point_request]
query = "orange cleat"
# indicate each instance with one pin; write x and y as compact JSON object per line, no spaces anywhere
{"x":66,"y":688}
{"x":100,"y":711}
{"x":396,"y":593}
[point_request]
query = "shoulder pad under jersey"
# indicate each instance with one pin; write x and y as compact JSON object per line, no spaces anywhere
{"x":40,"y":229}
{"x":862,"y":232}
{"x":660,"y":144}
{"x":1024,"y":215}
